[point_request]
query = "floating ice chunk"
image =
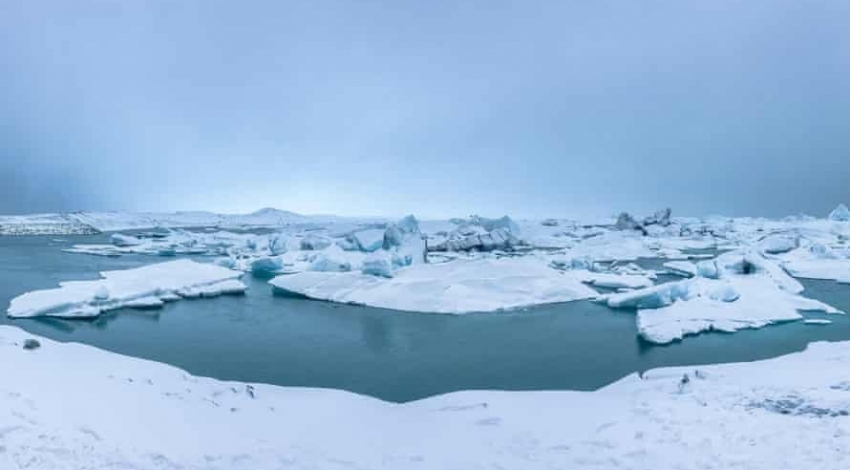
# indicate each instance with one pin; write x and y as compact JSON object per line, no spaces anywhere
{"x":369,"y":240}
{"x":817,"y":321}
{"x":625,"y":221}
{"x":130,"y":287}
{"x":406,"y":242}
{"x":478,"y":285}
{"x":617,"y":281}
{"x":379,"y":263}
{"x":228,"y":287}
{"x":660,"y":217}
{"x":125,"y":240}
{"x":708,"y":269}
{"x":504,"y":223}
{"x":145,"y":302}
{"x":332,"y":259}
{"x":750,"y":292}
{"x":840,"y":214}
{"x":277,"y":245}
{"x":315,"y":242}
{"x":498,"y":239}
{"x":681,"y":268}
{"x":267,"y":266}
{"x":779,"y":243}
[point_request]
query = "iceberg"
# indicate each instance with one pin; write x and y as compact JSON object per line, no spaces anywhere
{"x":120,"y":240}
{"x":840,"y":214}
{"x":749,"y":291}
{"x":681,"y":268}
{"x":315,"y":242}
{"x":461,"y":286}
{"x":379,"y":263}
{"x":147,"y":286}
{"x":331,"y":259}
{"x":779,"y":243}
{"x":369,"y":240}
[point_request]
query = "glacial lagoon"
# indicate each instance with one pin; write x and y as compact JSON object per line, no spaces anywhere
{"x":396,"y":356}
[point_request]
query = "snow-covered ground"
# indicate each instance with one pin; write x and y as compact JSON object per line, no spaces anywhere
{"x":74,"y":407}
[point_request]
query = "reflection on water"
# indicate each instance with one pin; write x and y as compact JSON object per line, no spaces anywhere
{"x":397,"y":356}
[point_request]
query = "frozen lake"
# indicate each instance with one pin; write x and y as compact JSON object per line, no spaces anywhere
{"x":392,"y":355}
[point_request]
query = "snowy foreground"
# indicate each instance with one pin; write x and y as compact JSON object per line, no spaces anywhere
{"x":785,"y":413}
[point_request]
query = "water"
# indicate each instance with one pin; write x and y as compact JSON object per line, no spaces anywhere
{"x":392,"y":355}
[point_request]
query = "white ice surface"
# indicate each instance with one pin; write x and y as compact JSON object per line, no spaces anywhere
{"x":73,"y":407}
{"x":477,"y":285}
{"x":139,"y":287}
{"x":735,"y":301}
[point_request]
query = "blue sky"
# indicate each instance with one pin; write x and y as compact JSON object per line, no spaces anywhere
{"x":434,"y":108}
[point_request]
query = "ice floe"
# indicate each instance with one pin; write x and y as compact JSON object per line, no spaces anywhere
{"x":743,"y":290}
{"x":476,"y":285}
{"x":144,"y":287}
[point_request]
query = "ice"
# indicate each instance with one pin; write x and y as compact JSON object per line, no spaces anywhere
{"x":817,"y":321}
{"x":369,"y":240}
{"x":379,"y":263}
{"x":498,"y":239}
{"x":120,"y":240}
{"x":332,"y":259}
{"x":779,"y":243}
{"x":406,"y":242}
{"x":137,"y":287}
{"x":681,"y":268}
{"x":750,"y":292}
{"x":841,"y":214}
{"x":660,"y":217}
{"x":267,"y":266}
{"x":315,"y":242}
{"x":462,"y":286}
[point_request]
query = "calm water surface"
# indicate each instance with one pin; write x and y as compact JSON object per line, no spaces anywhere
{"x":393,"y":355}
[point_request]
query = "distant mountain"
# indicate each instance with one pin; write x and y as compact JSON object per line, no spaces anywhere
{"x":85,"y":222}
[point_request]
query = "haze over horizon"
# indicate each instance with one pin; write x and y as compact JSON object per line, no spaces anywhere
{"x":440,"y":109}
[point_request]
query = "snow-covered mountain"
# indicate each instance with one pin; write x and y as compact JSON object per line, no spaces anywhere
{"x":92,"y":222}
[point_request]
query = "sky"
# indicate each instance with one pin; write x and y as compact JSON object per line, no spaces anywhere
{"x":437,"y":108}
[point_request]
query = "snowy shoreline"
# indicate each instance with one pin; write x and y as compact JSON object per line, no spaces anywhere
{"x":787,"y":412}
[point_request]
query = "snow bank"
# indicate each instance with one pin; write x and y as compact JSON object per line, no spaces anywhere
{"x":785,"y":413}
{"x":478,"y":285}
{"x":147,"y":286}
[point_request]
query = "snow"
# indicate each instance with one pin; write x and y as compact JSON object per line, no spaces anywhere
{"x":477,"y":285}
{"x":119,"y":412}
{"x":750,"y":292}
{"x":146,"y":287}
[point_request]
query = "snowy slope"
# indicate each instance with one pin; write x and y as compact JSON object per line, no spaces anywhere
{"x":70,"y":406}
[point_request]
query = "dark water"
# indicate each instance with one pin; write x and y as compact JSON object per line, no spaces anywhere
{"x":392,"y":355}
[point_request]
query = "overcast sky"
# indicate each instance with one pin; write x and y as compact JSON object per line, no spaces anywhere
{"x":561,"y":108}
